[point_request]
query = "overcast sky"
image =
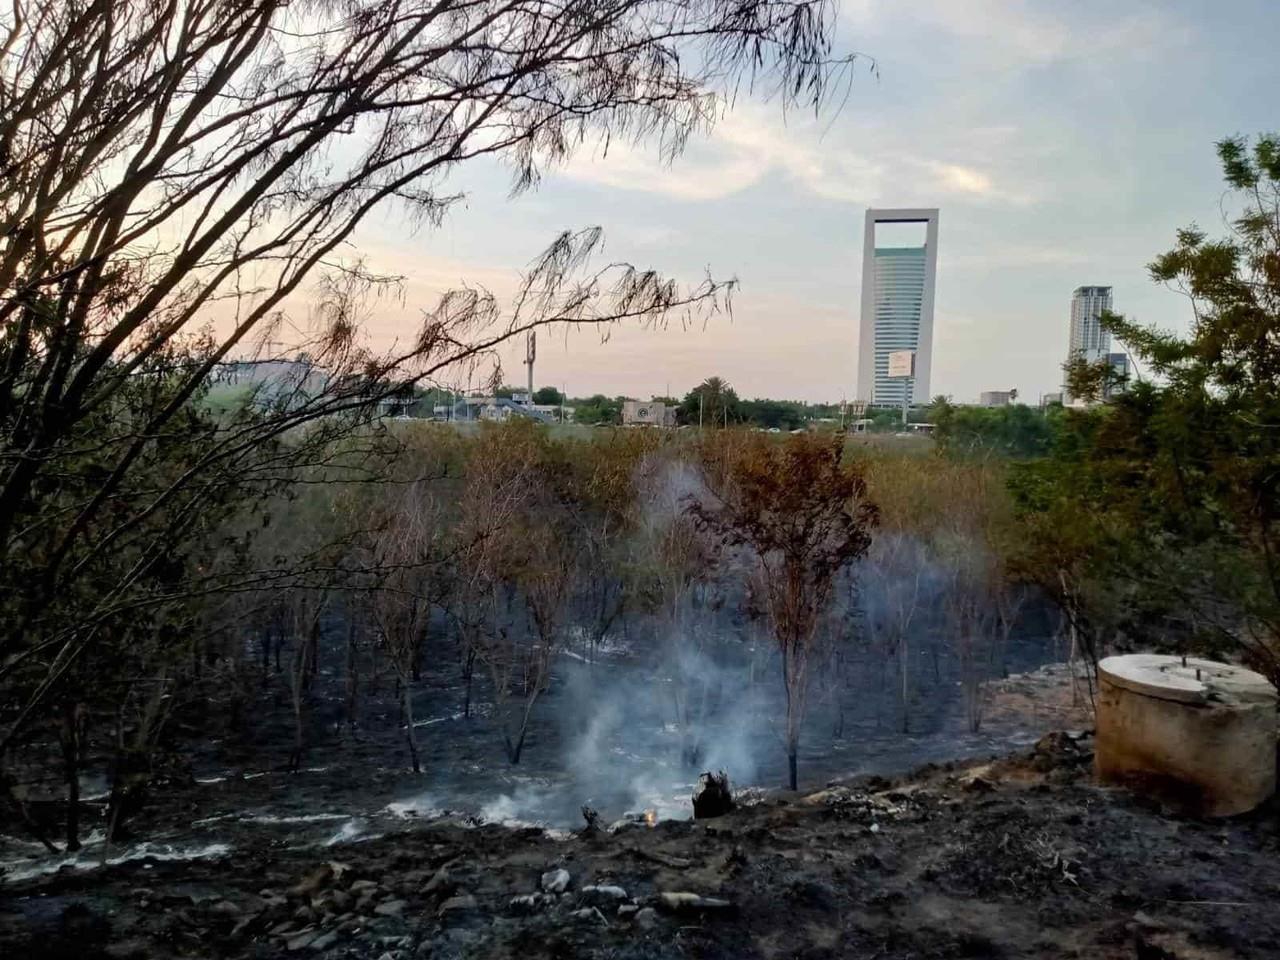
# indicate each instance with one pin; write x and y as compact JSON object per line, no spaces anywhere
{"x":1063,"y":142}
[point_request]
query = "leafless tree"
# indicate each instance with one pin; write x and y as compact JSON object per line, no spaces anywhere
{"x":497,"y":522}
{"x":406,"y":554}
{"x":894,"y":578}
{"x":677,"y":560}
{"x":304,"y":611}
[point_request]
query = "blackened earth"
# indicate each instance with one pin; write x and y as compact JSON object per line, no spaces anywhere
{"x":1022,"y":857}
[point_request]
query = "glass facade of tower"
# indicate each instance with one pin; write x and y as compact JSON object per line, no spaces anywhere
{"x":1088,"y":340}
{"x":898,"y":276}
{"x":899,"y":298}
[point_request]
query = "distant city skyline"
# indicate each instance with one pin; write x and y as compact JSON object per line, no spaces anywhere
{"x":1067,"y":143}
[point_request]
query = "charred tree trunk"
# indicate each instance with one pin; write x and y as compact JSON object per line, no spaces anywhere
{"x":514,"y":747}
{"x":906,"y":690}
{"x":411,"y":735}
{"x":351,"y":680}
{"x":415,"y":669}
{"x":72,"y":737}
{"x":468,"y":672}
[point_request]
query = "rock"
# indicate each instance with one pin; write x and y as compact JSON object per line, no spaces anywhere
{"x":272,"y":900}
{"x":128,"y":949}
{"x":280,"y":929}
{"x":224,"y":908}
{"x":603,"y":892}
{"x":325,"y":941}
{"x":464,"y":903}
{"x":646,"y":917}
{"x":591,"y":914}
{"x":303,"y":940}
{"x":440,"y":882}
{"x":360,"y":887}
{"x":627,"y":911}
{"x":314,"y":882}
{"x":555,"y":881}
{"x":392,"y":908}
{"x":525,"y":903}
{"x":712,"y":798}
{"x":244,"y":924}
{"x":683,"y":902}
{"x":977,"y":784}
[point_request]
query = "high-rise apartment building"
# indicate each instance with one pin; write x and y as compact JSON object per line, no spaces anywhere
{"x":897,"y":309}
{"x":1088,"y":340}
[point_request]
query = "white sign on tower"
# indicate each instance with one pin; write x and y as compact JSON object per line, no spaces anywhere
{"x":902,"y":363}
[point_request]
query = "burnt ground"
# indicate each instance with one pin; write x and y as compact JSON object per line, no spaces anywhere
{"x":1020,"y":857}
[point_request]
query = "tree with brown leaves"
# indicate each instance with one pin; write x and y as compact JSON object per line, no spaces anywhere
{"x":796,"y":514}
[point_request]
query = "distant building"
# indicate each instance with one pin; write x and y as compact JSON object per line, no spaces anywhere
{"x":498,"y":410}
{"x":897,"y":309}
{"x":1086,"y":339}
{"x":1119,"y":363}
{"x":997,"y":398}
{"x":652,"y":413}
{"x":1047,"y":399}
{"x":559,"y":412}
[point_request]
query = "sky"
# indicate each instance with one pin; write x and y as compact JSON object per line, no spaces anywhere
{"x":1064,"y":144}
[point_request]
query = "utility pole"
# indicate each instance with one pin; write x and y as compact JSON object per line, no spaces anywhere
{"x":700,"y":399}
{"x":530,"y":353}
{"x":902,"y":367}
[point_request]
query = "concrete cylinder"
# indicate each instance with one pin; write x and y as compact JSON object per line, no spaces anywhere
{"x":1197,"y":735}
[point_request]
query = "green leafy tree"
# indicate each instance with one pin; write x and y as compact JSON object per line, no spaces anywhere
{"x":1015,"y":430}
{"x":712,"y":403}
{"x":547,"y":395}
{"x":598,"y":410}
{"x":1165,"y":505}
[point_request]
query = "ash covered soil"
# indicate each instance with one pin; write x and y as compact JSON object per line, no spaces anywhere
{"x":1018,"y":857}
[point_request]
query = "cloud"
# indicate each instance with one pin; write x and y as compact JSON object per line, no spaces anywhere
{"x":851,"y":161}
{"x":1021,"y":32}
{"x":964,"y":179}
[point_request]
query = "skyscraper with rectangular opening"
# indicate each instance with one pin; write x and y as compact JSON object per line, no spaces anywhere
{"x":897,"y":307}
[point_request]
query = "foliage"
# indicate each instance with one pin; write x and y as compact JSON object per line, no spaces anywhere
{"x":598,"y":410}
{"x":1161,"y":510}
{"x":801,"y":514}
{"x":177,"y":176}
{"x":547,"y":396}
{"x":1015,"y":430}
{"x":712,"y":403}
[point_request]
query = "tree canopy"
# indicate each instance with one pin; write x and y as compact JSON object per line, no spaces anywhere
{"x":1164,"y":505}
